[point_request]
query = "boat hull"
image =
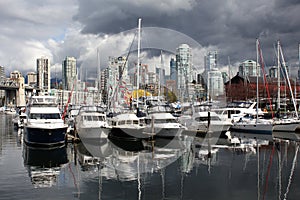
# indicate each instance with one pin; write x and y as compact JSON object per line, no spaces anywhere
{"x":130,"y":134}
{"x":259,"y":131}
{"x":167,"y":132}
{"x":92,"y":132}
{"x":34,"y":136}
{"x":285,"y":127}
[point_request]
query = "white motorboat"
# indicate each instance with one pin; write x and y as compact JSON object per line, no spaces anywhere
{"x":127,"y":126}
{"x":44,"y":124}
{"x":204,"y":122}
{"x":162,"y":124}
{"x":235,"y":110}
{"x":91,"y":123}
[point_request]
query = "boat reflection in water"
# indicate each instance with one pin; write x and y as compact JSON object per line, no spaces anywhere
{"x":265,"y":167}
{"x":44,"y":164}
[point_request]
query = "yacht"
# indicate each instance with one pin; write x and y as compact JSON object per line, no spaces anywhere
{"x":44,"y":125}
{"x":235,"y":110}
{"x":91,"y":123}
{"x":127,"y":126}
{"x":162,"y":124}
{"x":200,"y":119}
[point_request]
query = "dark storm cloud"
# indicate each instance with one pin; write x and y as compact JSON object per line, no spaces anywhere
{"x":232,"y":26}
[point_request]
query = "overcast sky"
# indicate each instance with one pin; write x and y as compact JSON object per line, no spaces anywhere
{"x":56,"y":29}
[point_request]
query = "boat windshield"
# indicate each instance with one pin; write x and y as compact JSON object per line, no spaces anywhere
{"x":162,"y":121}
{"x":93,"y":118}
{"x":45,"y":116}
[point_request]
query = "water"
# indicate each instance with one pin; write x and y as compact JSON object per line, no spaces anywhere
{"x":180,"y":169}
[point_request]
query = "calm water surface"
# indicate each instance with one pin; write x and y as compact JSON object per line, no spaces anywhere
{"x":177,"y":169}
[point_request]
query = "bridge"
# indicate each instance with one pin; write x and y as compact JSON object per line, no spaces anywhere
{"x":14,"y":92}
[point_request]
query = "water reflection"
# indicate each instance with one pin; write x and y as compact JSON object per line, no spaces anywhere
{"x":185,"y":168}
{"x":44,"y":164}
{"x":259,"y":168}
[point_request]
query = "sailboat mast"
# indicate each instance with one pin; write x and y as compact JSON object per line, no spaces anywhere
{"x":257,"y":96}
{"x":278,"y":76}
{"x":138,"y":62}
{"x":99,"y":76}
{"x":288,"y":80}
{"x":159,"y":74}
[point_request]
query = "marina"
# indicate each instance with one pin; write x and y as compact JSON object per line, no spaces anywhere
{"x":187,"y":167}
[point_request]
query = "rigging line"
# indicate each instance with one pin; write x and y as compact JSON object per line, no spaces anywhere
{"x":258,"y":171}
{"x":265,"y":78}
{"x":120,"y":78}
{"x":291,"y":174}
{"x":279,"y":172}
{"x":268,"y":172}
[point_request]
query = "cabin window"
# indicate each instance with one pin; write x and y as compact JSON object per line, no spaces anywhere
{"x":95,"y":118}
{"x":122,"y":122}
{"x":135,"y":122}
{"x":171,"y":121}
{"x":45,"y":116}
{"x":101,"y":118}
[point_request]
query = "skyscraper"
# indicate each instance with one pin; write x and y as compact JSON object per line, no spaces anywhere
{"x":173,"y":71}
{"x":69,"y":72}
{"x":43,"y":74}
{"x":2,"y":78}
{"x":249,"y":68}
{"x":210,"y":60}
{"x":184,"y":69}
{"x":215,"y":84}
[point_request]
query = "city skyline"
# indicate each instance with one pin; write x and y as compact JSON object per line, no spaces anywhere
{"x":77,"y":28}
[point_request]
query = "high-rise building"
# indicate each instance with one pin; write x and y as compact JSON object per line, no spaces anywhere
{"x":210,"y":60}
{"x":173,"y":71}
{"x":2,"y":74}
{"x":31,"y":78}
{"x":2,"y":78}
{"x":43,"y":74}
{"x":273,"y":71}
{"x":15,"y":74}
{"x":215,"y":85}
{"x":69,"y":73}
{"x":117,"y":77}
{"x":249,"y":68}
{"x":184,"y":69}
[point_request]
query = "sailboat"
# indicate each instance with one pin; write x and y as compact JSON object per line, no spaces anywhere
{"x":254,"y":126}
{"x":285,"y":127}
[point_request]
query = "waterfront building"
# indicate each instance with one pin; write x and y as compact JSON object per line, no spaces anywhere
{"x":241,"y":88}
{"x":15,"y":74}
{"x":43,"y":74}
{"x":184,"y":70}
{"x":31,"y":78}
{"x":210,"y":60}
{"x":173,"y":71}
{"x":215,"y":84}
{"x":273,"y":71}
{"x":117,"y":78}
{"x":248,"y":68}
{"x":2,"y":78}
{"x":69,"y":72}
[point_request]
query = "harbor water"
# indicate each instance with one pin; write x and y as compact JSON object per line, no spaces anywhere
{"x":182,"y":168}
